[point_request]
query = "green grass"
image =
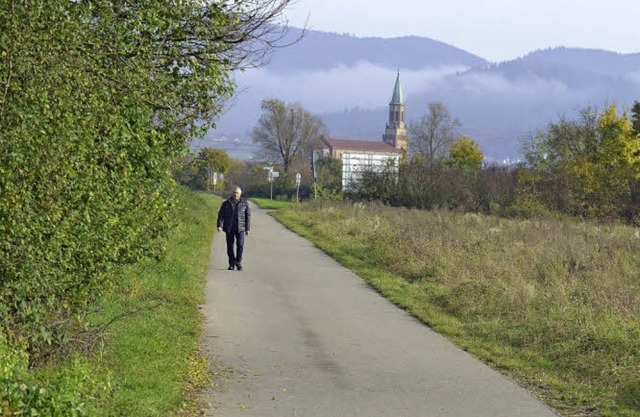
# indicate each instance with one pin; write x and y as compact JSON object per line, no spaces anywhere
{"x":265,"y":203}
{"x":553,"y":303}
{"x":147,"y":360}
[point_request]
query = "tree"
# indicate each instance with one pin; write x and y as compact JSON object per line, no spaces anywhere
{"x":217,"y":160}
{"x":375,"y":182}
{"x":329,"y":174}
{"x":434,"y":133}
{"x":238,"y":173}
{"x":597,"y":156}
{"x":465,"y":153}
{"x":185,"y":171}
{"x":610,"y":177}
{"x":286,"y":132}
{"x":565,"y":141}
{"x":635,"y":117}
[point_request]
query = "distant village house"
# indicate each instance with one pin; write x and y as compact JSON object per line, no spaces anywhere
{"x":360,"y":155}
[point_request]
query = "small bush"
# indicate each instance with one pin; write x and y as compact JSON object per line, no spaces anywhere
{"x":61,"y":395}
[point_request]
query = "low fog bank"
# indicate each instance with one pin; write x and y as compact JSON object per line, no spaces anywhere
{"x":499,"y":106}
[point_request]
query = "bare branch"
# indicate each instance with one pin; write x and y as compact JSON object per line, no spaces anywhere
{"x":435,"y":132}
{"x":285,"y":131}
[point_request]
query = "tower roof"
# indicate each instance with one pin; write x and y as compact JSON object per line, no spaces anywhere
{"x":397,"y":92}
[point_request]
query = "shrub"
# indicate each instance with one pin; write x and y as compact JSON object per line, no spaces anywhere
{"x":98,"y":99}
{"x":64,"y":394}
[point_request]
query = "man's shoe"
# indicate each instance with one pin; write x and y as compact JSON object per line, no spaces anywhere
{"x":239,"y":267}
{"x":231,"y":268}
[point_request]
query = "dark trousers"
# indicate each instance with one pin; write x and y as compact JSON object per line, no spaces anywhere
{"x":238,"y":237}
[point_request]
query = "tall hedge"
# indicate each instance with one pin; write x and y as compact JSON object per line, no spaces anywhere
{"x":96,"y":98}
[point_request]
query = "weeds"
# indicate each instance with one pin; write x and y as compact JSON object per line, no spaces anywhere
{"x":556,"y":302}
{"x":138,"y":353}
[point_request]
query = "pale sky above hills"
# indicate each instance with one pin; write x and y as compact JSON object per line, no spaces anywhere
{"x":496,"y":30}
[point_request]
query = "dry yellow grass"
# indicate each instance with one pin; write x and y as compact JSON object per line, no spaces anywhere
{"x":555,"y":302}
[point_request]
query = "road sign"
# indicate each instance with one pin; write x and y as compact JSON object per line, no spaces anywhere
{"x":298,"y":178}
{"x":270,"y":179}
{"x":275,"y":174}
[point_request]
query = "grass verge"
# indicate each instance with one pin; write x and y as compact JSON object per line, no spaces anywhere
{"x":553,"y":303}
{"x":267,"y":204}
{"x":146,"y":362}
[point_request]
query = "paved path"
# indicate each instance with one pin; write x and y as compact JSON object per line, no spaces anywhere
{"x":296,"y":334}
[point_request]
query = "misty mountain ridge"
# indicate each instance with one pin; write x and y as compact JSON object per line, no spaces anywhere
{"x":348,"y":82}
{"x":324,"y":51}
{"x":572,"y":66}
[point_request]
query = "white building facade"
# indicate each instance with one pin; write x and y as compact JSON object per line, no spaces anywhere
{"x":362,"y":155}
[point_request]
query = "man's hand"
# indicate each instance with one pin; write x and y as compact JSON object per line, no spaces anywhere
{"x":219,"y":229}
{"x":246,"y":233}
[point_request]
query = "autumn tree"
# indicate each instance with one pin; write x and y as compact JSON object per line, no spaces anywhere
{"x":596,"y":156}
{"x":216,"y":160}
{"x":434,"y":133}
{"x":608,"y":179}
{"x":465,"y":153}
{"x":286,"y":132}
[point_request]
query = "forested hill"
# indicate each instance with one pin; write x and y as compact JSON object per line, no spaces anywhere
{"x":321,"y":51}
{"x":567,"y":63}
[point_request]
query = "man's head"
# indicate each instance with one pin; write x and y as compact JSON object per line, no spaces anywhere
{"x":236,"y":192}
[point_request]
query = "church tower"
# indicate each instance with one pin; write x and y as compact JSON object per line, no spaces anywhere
{"x":396,"y":133}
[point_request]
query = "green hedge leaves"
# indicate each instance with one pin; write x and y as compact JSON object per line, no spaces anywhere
{"x":96,"y":99}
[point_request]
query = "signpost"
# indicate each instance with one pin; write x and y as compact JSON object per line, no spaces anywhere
{"x":315,"y":179}
{"x":215,"y":181}
{"x":274,"y":174}
{"x":270,"y":176}
{"x":298,"y":178}
{"x":208,"y":177}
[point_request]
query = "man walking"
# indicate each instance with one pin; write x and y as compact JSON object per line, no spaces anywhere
{"x":234,"y":218}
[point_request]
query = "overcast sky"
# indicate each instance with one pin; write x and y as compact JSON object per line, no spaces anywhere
{"x":496,"y":30}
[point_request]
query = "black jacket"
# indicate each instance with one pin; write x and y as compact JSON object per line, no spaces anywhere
{"x":225,"y":216}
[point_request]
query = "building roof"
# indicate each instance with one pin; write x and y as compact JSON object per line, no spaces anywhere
{"x":397,"y":92}
{"x":361,"y":145}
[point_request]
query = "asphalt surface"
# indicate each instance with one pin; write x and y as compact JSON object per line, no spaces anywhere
{"x":297,"y":334}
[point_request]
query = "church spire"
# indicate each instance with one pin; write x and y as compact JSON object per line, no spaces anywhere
{"x":395,"y":133}
{"x":397,"y":92}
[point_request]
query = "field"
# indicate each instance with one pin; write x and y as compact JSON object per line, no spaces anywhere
{"x":553,"y":303}
{"x":267,"y":204}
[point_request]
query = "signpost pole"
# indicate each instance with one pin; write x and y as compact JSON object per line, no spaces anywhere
{"x":315,"y":179}
{"x":270,"y":179}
